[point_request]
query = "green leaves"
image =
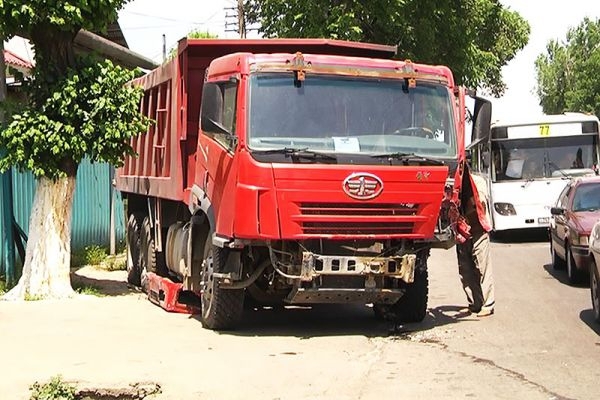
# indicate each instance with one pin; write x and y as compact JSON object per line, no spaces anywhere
{"x":475,"y":38}
{"x":567,"y":73}
{"x":66,"y":15}
{"x":92,"y":112}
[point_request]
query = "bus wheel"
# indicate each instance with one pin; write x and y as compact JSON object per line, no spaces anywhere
{"x":221,"y":308}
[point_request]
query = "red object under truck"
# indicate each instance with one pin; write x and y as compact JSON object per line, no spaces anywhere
{"x":294,"y":171}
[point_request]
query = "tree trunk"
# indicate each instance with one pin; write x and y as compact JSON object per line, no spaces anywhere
{"x":46,"y":272}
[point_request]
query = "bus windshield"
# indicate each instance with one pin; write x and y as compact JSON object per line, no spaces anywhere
{"x":337,"y":114}
{"x":547,"y":157}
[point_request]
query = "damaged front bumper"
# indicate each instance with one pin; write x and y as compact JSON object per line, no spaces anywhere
{"x":400,"y":267}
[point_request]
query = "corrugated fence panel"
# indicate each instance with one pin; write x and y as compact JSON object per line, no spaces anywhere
{"x":91,"y":206}
{"x":23,"y":190}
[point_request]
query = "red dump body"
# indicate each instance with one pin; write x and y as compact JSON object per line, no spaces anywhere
{"x":249,"y":199}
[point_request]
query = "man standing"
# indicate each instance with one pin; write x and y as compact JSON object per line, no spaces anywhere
{"x":474,"y":259}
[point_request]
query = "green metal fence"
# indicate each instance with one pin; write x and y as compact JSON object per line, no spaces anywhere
{"x":91,"y":220}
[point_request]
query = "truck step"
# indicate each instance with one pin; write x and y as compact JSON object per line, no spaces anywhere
{"x":170,"y":295}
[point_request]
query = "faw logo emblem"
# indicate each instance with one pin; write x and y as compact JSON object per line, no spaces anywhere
{"x":362,"y":186}
{"x":423,"y":175}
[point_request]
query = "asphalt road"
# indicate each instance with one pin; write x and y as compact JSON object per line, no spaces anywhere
{"x":541,"y":344}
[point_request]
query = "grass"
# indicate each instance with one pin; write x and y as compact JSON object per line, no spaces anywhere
{"x":89,"y":255}
{"x":91,"y":290}
{"x":55,"y":389}
{"x":98,"y":256}
{"x":3,"y":288}
{"x":29,"y":297}
{"x":117,"y":262}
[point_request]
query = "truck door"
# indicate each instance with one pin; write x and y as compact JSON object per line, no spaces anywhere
{"x":216,"y":170}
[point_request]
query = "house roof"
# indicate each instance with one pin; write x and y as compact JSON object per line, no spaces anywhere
{"x":14,"y":60}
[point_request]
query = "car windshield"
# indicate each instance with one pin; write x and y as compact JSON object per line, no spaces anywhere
{"x":587,"y":197}
{"x":334,"y":114}
{"x":541,"y":158}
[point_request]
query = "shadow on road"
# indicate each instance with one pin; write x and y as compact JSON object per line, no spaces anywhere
{"x":334,"y":320}
{"x":101,"y":286}
{"x":534,"y":235}
{"x":587,"y":316}
{"x":561,"y":276}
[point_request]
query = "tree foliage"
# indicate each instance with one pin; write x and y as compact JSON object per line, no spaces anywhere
{"x":90,"y":113}
{"x":567,"y":73}
{"x":195,"y":34}
{"x":79,"y":104}
{"x":475,"y":38}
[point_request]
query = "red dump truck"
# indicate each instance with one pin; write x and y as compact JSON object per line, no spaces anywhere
{"x":292,"y":171}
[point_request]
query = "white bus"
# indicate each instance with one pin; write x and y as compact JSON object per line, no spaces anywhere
{"x":528,"y":164}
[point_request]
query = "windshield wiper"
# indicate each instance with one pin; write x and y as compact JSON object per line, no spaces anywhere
{"x":408,"y":157}
{"x":298,"y":152}
{"x":557,"y":168}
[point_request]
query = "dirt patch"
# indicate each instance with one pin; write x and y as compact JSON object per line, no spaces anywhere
{"x":137,"y":391}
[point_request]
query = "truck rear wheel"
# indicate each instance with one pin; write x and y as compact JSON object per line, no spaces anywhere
{"x":221,"y":308}
{"x":149,"y":261}
{"x":134,"y":227}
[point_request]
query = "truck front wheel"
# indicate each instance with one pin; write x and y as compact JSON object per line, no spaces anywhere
{"x":221,"y":308}
{"x":412,"y":306}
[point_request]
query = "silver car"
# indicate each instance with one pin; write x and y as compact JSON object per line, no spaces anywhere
{"x":595,"y":270}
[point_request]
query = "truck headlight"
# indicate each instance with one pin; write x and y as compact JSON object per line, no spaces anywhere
{"x":505,"y":209}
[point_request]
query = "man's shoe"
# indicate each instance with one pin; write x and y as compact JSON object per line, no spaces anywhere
{"x":486,"y":312}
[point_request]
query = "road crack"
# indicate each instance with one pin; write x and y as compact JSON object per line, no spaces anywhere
{"x":433,"y":340}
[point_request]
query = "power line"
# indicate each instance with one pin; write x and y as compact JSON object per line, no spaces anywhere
{"x":173,"y":19}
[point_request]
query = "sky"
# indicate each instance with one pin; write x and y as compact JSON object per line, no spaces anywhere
{"x":145,"y":21}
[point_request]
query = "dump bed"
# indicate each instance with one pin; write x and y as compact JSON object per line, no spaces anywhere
{"x":165,"y":164}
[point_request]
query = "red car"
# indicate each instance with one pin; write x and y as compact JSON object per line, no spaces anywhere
{"x":577,"y":210}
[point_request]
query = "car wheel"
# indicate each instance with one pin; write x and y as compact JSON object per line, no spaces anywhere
{"x":573,"y":273}
{"x":595,"y":290}
{"x":557,"y":262}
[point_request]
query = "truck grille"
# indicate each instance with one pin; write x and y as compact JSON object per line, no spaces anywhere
{"x":324,"y":218}
{"x":358,"y":209}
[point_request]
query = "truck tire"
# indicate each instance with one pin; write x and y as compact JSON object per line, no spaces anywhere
{"x":149,"y":260}
{"x":221,"y":308}
{"x":134,"y":226}
{"x":412,"y":306}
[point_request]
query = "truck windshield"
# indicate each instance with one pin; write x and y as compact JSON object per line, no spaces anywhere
{"x":541,"y":158}
{"x":334,"y":114}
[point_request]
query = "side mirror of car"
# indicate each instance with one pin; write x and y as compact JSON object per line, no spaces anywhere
{"x":557,"y":211}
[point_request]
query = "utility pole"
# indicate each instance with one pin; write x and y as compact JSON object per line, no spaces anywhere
{"x":164,"y":47}
{"x":236,"y":20}
{"x":241,"y":19}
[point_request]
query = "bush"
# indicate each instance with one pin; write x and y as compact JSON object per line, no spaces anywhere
{"x":56,"y":389}
{"x":90,"y":255}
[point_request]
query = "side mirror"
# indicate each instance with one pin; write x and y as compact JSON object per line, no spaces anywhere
{"x":557,"y":211}
{"x":482,"y":119}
